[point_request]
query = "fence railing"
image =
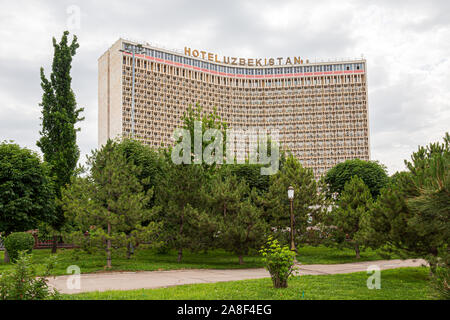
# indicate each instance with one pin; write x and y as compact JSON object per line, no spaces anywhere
{"x":49,"y":243}
{"x":44,"y":244}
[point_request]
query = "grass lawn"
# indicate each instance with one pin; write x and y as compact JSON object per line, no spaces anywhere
{"x":149,"y":260}
{"x":396,"y":284}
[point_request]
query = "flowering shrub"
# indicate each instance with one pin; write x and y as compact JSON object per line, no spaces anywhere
{"x":279,"y":261}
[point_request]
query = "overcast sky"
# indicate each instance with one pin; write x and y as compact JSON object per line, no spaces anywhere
{"x":406,"y":44}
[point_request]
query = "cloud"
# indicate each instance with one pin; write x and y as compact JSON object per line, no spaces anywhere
{"x":405,"y":43}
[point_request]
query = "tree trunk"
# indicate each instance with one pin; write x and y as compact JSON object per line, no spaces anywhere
{"x":277,"y":283}
{"x":357,"y":251}
{"x":108,"y":248}
{"x":241,"y":260}
{"x":433,"y":261}
{"x":432,"y":268}
{"x":6,"y":257}
{"x":180,"y":249}
{"x":128,"y":249}
{"x":55,"y":244}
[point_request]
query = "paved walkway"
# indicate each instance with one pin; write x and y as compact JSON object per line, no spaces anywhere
{"x":158,"y":279}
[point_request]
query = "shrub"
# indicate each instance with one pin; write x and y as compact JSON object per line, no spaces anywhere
{"x":164,"y":248}
{"x":23,"y":282}
{"x":18,"y":241}
{"x":440,"y":283}
{"x":279,"y":261}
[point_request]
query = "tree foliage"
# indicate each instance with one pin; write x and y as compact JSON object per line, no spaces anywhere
{"x":240,"y":223}
{"x":59,"y":117}
{"x":181,"y":196}
{"x":279,"y":261}
{"x":26,"y":190}
{"x":307,"y":201}
{"x":111,"y":200}
{"x":411,"y":216}
{"x":251,"y":174}
{"x":352,"y":206}
{"x":149,"y":161}
{"x":24,"y":282}
{"x":208,"y":121}
{"x":371,"y":172}
{"x":17,"y":242}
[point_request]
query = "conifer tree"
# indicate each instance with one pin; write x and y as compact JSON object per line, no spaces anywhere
{"x":227,"y":192}
{"x":149,"y":160}
{"x":412,"y":215}
{"x":181,"y":197}
{"x":111,"y":199}
{"x":243,"y":229}
{"x":307,"y":203}
{"x":353,"y":204}
{"x":59,"y":117}
{"x":240,"y":225}
{"x":182,"y":191}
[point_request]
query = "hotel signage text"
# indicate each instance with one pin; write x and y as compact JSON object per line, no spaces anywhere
{"x":235,"y":61}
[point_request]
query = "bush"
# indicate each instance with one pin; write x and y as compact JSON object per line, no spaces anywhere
{"x":23,"y":282}
{"x":279,"y":261}
{"x":440,"y":283}
{"x":440,"y":277}
{"x":18,"y":241}
{"x":164,"y":248}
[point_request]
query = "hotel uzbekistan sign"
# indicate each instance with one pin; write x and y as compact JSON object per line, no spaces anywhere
{"x":249,"y":62}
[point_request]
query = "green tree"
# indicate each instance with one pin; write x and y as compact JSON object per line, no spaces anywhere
{"x":182,"y":191}
{"x":307,"y":203}
{"x":371,"y":172}
{"x":208,"y":121}
{"x":112,"y":199}
{"x":251,"y":174}
{"x":181,"y":196}
{"x":243,"y":230}
{"x":227,"y":192}
{"x":59,"y":117}
{"x":411,"y":216}
{"x":353,"y":204}
{"x":24,"y":282}
{"x":149,"y":160}
{"x":26,"y":190}
{"x":240,"y":223}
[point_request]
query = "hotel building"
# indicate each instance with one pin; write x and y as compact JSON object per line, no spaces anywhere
{"x":320,"y":109}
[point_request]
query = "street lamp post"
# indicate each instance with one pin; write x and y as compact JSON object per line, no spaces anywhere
{"x":291,"y":200}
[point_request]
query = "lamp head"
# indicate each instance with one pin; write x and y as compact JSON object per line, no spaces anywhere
{"x":291,"y":193}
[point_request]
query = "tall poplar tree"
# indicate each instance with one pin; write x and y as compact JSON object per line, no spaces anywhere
{"x":60,"y":114}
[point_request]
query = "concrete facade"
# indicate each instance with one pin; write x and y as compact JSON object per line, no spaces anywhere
{"x":320,"y":109}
